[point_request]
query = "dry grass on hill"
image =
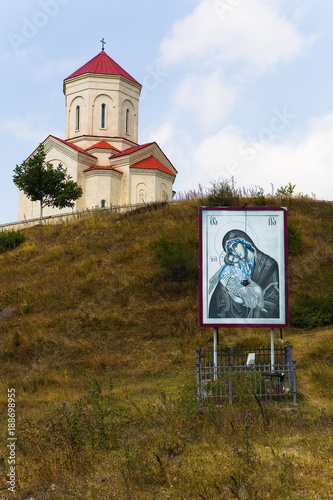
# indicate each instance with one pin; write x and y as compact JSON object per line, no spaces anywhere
{"x":96,"y":320}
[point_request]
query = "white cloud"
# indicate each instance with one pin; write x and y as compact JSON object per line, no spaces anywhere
{"x":163,"y":135}
{"x":18,"y":58}
{"x":24,"y":128}
{"x":54,"y":68}
{"x":253,"y":32}
{"x":306,"y":162}
{"x":207,"y":100}
{"x":302,"y":10}
{"x":227,"y":41}
{"x":33,"y":61}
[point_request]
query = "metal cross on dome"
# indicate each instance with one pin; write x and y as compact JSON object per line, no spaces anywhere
{"x":103,"y":42}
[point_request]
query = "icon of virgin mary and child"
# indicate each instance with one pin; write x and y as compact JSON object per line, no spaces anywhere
{"x":247,"y":285}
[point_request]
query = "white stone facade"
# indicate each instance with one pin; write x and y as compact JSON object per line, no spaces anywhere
{"x":90,"y":92}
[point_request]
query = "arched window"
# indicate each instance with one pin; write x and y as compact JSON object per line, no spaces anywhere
{"x":77,"y":118}
{"x":103,"y":204}
{"x":127,"y":126}
{"x":103,"y":115}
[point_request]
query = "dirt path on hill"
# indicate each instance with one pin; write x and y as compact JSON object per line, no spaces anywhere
{"x":304,"y":343}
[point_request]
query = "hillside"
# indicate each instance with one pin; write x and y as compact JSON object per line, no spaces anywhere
{"x":106,"y":308}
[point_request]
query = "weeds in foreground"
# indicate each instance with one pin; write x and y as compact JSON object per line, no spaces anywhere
{"x":172,"y":443}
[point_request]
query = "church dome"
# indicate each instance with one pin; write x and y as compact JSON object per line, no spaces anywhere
{"x":102,"y":64}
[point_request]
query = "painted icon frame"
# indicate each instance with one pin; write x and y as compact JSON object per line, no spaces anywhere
{"x":243,"y":267}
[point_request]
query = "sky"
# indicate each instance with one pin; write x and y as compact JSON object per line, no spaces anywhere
{"x":232,"y":89}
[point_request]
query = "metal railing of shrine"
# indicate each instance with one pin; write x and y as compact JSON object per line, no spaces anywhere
{"x":233,"y":377}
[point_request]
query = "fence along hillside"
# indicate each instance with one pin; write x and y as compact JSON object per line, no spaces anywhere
{"x":71,"y":216}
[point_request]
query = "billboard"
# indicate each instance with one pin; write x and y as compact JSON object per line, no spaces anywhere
{"x":243,"y":267}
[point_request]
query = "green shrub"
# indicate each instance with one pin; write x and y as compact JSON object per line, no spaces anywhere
{"x":223,"y":193}
{"x":258,"y":196}
{"x":286,"y":191}
{"x":25,"y":309}
{"x":10,"y":240}
{"x":311,"y":312}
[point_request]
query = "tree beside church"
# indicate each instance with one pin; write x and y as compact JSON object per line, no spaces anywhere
{"x":42,"y":182}
{"x":100,"y":151}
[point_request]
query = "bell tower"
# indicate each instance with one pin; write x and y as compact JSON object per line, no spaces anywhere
{"x":102,"y":103}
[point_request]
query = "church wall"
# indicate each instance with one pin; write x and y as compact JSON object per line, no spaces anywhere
{"x":26,"y":208}
{"x":55,"y":156}
{"x":163,"y":187}
{"x":81,"y":180}
{"x":103,"y":156}
{"x":102,"y":185}
{"x":149,"y":186}
{"x":142,"y":188}
{"x":31,"y":210}
{"x":125,"y":188}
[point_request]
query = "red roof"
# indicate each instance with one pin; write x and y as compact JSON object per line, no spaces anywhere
{"x":102,"y":64}
{"x":77,"y":148}
{"x":152,"y":163}
{"x":103,"y":145}
{"x":73,"y":146}
{"x":128,"y":151}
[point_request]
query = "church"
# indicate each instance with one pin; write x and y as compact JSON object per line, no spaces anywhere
{"x":101,"y":151}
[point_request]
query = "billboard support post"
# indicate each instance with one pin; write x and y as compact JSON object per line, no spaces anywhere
{"x":216,"y":343}
{"x":272,"y":350}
